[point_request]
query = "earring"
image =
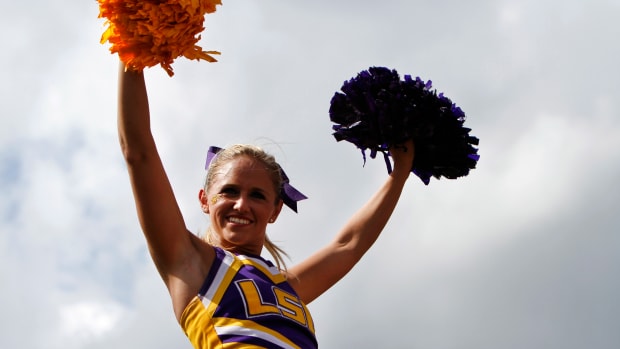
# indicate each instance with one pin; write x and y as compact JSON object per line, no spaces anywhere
{"x":271,"y":220}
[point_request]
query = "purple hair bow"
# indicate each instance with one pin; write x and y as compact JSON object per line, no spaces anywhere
{"x":289,"y":194}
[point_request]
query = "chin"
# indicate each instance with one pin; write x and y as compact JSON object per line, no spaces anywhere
{"x":241,"y":239}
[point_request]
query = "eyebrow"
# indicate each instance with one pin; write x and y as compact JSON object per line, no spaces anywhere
{"x":237,"y":186}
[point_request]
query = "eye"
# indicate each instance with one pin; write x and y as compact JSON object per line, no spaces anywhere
{"x":258,"y":195}
{"x":229,"y":192}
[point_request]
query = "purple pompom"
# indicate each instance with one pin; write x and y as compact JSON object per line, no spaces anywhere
{"x":376,"y":110}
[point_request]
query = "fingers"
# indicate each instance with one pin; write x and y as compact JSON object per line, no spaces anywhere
{"x":403,"y":155}
{"x":405,"y":149}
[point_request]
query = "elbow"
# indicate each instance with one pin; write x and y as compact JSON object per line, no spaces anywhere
{"x":136,"y":154}
{"x":125,"y":149}
{"x":355,"y":242}
{"x":350,"y":248}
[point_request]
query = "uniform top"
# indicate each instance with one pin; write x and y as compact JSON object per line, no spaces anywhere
{"x":246,"y":302}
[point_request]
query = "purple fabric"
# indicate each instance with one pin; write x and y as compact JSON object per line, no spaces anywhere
{"x":377,"y":109}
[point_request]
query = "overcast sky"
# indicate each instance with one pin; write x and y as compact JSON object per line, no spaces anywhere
{"x":522,"y":253}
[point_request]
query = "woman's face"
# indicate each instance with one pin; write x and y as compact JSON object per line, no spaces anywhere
{"x":241,"y":200}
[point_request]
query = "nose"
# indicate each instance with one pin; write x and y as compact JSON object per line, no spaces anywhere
{"x":241,"y":203}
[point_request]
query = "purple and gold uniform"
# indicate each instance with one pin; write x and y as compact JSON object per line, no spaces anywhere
{"x":245,"y":302}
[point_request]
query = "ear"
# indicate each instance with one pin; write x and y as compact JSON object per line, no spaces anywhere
{"x":276,"y":212}
{"x":204,"y":203}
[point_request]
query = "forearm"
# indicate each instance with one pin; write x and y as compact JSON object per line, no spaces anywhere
{"x":365,"y":226}
{"x":133,"y":114}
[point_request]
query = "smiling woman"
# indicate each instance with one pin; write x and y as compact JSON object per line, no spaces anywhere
{"x":223,"y":292}
{"x":219,"y":165}
{"x":243,"y":200}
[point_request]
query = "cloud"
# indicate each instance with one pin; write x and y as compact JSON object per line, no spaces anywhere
{"x":521,"y":253}
{"x":88,"y":320}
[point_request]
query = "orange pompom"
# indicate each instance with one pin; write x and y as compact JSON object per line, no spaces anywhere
{"x":147,"y":33}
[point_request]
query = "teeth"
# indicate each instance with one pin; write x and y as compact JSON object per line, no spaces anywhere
{"x":238,"y":220}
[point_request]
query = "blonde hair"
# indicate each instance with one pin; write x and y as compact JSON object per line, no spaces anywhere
{"x":274,"y":170}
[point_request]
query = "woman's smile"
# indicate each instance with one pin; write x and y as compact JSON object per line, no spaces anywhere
{"x":237,"y":220}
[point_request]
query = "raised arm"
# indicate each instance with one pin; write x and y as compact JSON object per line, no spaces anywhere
{"x":171,"y":245}
{"x":323,"y":269}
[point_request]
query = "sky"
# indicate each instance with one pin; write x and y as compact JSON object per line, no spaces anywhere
{"x":522,"y":253}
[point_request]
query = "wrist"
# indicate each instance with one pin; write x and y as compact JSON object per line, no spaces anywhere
{"x":400,"y":172}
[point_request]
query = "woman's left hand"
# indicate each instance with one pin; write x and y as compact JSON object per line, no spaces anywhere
{"x":403,"y":154}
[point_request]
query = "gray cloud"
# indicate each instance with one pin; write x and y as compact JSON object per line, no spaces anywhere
{"x":522,"y":253}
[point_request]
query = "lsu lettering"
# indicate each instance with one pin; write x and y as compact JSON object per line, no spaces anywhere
{"x":286,"y":304}
{"x":246,"y":302}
